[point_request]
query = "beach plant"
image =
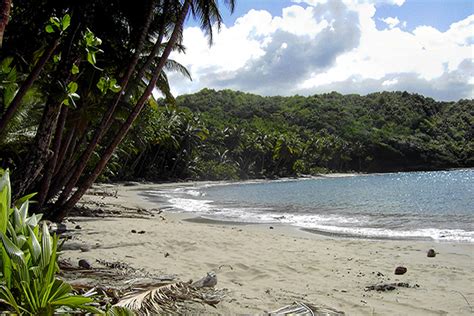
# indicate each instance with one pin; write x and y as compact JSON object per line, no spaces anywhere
{"x":28,"y":262}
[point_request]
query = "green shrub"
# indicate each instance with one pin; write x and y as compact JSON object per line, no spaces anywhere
{"x":28,"y":262}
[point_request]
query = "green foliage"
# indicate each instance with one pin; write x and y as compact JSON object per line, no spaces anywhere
{"x":58,"y":25}
{"x":105,"y":84}
{"x":91,"y":45}
{"x":250,"y":136}
{"x":8,"y":80}
{"x":28,"y":265}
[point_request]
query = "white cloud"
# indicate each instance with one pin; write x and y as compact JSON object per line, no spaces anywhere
{"x":326,"y":44}
{"x":392,"y":22}
{"x":390,"y":82}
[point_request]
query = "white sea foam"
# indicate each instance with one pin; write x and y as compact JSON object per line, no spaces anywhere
{"x":186,"y":199}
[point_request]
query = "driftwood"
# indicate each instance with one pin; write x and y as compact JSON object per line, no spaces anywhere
{"x":305,"y":309}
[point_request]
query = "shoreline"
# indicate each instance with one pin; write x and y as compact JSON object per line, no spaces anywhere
{"x":187,"y":198}
{"x":264,"y":269}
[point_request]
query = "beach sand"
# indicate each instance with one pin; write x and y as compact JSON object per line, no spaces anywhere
{"x":265,"y":269}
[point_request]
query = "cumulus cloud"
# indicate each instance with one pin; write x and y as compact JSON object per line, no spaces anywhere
{"x":393,"y":22}
{"x":318,"y":46}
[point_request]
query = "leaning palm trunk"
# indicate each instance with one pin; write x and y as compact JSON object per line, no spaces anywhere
{"x":107,"y":118}
{"x":13,"y":106}
{"x":62,"y":210}
{"x":33,"y":165}
{"x":49,"y":169}
{"x":5,"y":6}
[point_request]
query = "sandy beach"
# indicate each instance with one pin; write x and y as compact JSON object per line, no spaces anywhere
{"x":264,"y":269}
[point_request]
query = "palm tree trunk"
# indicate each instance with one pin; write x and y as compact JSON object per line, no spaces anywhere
{"x":151,"y":57}
{"x":49,"y":170}
{"x":13,"y":106}
{"x":64,"y":209}
{"x":34,"y":163}
{"x":65,"y":143}
{"x":106,"y":121}
{"x":5,"y":6}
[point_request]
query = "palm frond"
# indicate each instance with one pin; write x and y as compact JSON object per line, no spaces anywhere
{"x":172,"y":65}
{"x":164,"y":298}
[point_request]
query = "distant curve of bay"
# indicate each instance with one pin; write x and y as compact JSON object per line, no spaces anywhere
{"x":435,"y":205}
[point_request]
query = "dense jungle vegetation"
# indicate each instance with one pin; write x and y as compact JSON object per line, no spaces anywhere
{"x":234,"y":135}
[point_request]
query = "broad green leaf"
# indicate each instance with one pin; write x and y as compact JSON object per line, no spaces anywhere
{"x":72,"y":87}
{"x":21,"y":200}
{"x":115,"y":88}
{"x":91,"y":58}
{"x":46,"y":246}
{"x":74,"y":70}
{"x":55,"y":21}
{"x":65,"y":22}
{"x":24,"y":211}
{"x":7,"y":267}
{"x":33,"y":243}
{"x":14,"y":253}
{"x":49,"y":28}
{"x":57,"y":58}
{"x":5,"y":200}
{"x":72,"y":300}
{"x":33,"y":220}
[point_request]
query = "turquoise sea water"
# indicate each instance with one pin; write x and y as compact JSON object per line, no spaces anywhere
{"x":428,"y":205}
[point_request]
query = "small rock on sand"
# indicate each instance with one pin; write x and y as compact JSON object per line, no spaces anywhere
{"x":210,"y":280}
{"x":431,"y":253}
{"x":83,"y":263}
{"x":400,"y":270}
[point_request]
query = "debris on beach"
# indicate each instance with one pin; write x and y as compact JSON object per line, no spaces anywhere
{"x":384,"y":287}
{"x":168,"y":298}
{"x":305,"y":309}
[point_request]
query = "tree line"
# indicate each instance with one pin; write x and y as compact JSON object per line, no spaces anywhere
{"x":215,"y":135}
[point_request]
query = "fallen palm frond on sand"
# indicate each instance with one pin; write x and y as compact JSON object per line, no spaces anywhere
{"x":304,"y":309}
{"x":166,"y":298}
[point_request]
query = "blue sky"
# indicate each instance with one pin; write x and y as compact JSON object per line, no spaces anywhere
{"x":287,"y":47}
{"x":437,"y":13}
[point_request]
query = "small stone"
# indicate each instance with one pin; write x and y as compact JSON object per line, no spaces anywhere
{"x":83,"y":263}
{"x":431,"y":253}
{"x":78,"y":227}
{"x":400,"y":270}
{"x":167,"y":255}
{"x":133,"y":231}
{"x":210,"y":280}
{"x":141,"y":232}
{"x":271,"y":227}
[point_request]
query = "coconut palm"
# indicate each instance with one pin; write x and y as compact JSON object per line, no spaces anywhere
{"x":208,"y":14}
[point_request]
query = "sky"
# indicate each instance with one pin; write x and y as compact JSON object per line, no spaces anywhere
{"x":306,"y":47}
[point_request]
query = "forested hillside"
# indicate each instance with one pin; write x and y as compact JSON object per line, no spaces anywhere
{"x":229,"y":135}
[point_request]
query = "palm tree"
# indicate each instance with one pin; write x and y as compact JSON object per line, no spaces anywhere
{"x":208,"y":13}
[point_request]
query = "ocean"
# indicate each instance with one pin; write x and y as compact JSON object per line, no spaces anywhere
{"x":435,"y":205}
